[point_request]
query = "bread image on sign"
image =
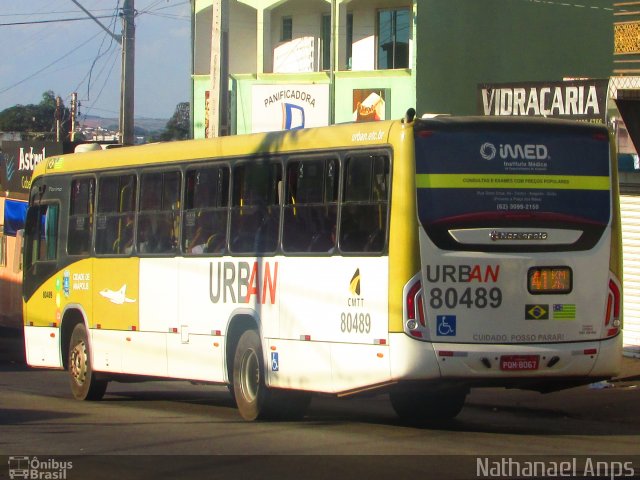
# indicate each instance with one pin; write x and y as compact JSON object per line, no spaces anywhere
{"x":370,"y":109}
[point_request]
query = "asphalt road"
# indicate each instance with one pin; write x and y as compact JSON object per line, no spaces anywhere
{"x":179,"y":430}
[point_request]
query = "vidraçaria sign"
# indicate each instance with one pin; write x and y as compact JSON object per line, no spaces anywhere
{"x":575,"y":99}
{"x":289,"y":107}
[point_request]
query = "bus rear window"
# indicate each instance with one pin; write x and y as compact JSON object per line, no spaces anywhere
{"x":511,"y":183}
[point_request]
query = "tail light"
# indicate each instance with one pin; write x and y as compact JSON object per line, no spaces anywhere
{"x":414,"y":316}
{"x":612,"y":321}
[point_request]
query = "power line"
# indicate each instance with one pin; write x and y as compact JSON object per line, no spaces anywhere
{"x":73,"y":50}
{"x":32,"y":14}
{"x":59,"y":20}
{"x":99,"y":55}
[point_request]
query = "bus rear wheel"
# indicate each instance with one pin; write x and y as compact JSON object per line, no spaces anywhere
{"x":249,"y":388}
{"x":254,"y":399}
{"x":424,"y":407}
{"x":82,"y":378}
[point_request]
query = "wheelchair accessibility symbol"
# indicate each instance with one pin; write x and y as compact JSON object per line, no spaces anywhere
{"x":446,"y":325}
{"x":274,"y":362}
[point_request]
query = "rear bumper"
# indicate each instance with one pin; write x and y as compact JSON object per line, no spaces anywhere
{"x":480,"y":364}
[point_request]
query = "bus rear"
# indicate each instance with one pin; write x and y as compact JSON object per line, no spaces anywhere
{"x":520,"y":281}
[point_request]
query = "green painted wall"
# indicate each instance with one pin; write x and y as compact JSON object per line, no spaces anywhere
{"x":463,"y":43}
{"x":400,"y":86}
{"x":201,"y":83}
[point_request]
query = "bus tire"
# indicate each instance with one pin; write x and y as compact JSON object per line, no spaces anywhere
{"x":249,"y":388}
{"x":82,"y":378}
{"x":424,"y":407}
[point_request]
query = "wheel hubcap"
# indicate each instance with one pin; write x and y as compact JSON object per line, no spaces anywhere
{"x":78,"y":363}
{"x":250,"y":373}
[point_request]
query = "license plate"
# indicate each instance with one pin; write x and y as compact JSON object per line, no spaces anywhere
{"x":513,"y":363}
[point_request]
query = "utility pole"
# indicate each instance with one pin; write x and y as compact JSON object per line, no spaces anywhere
{"x":74,"y":115}
{"x":218,"y":104}
{"x":127,"y":42}
{"x":58,"y":116}
{"x":128,"y":71}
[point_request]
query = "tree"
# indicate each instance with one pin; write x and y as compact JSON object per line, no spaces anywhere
{"x":177,"y":127}
{"x":36,"y":121}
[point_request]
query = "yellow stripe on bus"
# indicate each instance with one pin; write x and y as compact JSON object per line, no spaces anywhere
{"x":555,"y":182}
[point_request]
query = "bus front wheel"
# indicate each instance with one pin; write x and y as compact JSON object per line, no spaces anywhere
{"x":421,"y":406}
{"x":84,"y":384}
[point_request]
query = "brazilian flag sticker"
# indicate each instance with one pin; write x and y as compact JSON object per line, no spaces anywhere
{"x":536,"y":312}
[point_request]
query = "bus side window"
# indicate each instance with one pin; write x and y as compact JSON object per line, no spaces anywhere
{"x":310,"y":209}
{"x":159,"y":216}
{"x":115,"y":214}
{"x":42,"y":234}
{"x":363,"y":225}
{"x":255,"y":211}
{"x":81,"y":216}
{"x":206,"y":210}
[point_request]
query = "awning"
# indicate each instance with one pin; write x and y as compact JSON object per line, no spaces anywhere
{"x":15,"y":213}
{"x":628,"y":103}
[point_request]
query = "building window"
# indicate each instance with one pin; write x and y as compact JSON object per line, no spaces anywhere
{"x":287,"y":29}
{"x":349,"y":40}
{"x":326,"y":42}
{"x":393,"y":38}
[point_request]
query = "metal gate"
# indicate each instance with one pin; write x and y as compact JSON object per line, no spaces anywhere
{"x":630,"y":213}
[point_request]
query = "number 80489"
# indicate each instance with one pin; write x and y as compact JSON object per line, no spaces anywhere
{"x":355,"y":322}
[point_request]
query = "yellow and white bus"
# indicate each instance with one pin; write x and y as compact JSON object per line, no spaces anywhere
{"x":418,"y":258}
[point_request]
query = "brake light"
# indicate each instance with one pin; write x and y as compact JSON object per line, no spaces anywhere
{"x":612,"y":315}
{"x":415,"y":324}
{"x":415,"y":304}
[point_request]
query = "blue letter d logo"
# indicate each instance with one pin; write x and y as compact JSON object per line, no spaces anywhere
{"x":292,"y":116}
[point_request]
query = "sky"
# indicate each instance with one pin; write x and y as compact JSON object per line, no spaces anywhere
{"x":79,"y":56}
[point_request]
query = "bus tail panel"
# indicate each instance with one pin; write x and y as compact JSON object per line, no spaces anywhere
{"x":518,"y":298}
{"x":516,"y":242}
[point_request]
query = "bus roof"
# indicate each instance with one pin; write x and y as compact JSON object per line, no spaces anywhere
{"x":330,"y":138}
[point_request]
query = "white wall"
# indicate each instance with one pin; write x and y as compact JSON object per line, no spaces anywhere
{"x":243,"y":40}
{"x":307,"y":22}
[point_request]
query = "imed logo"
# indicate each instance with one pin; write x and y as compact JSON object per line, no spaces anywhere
{"x":488,"y":151}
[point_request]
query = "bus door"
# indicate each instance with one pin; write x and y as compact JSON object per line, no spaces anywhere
{"x":42,"y":289}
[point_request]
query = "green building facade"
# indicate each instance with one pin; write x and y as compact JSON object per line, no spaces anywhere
{"x":357,"y":56}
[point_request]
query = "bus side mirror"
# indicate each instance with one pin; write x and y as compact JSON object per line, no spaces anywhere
{"x":17,"y":251}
